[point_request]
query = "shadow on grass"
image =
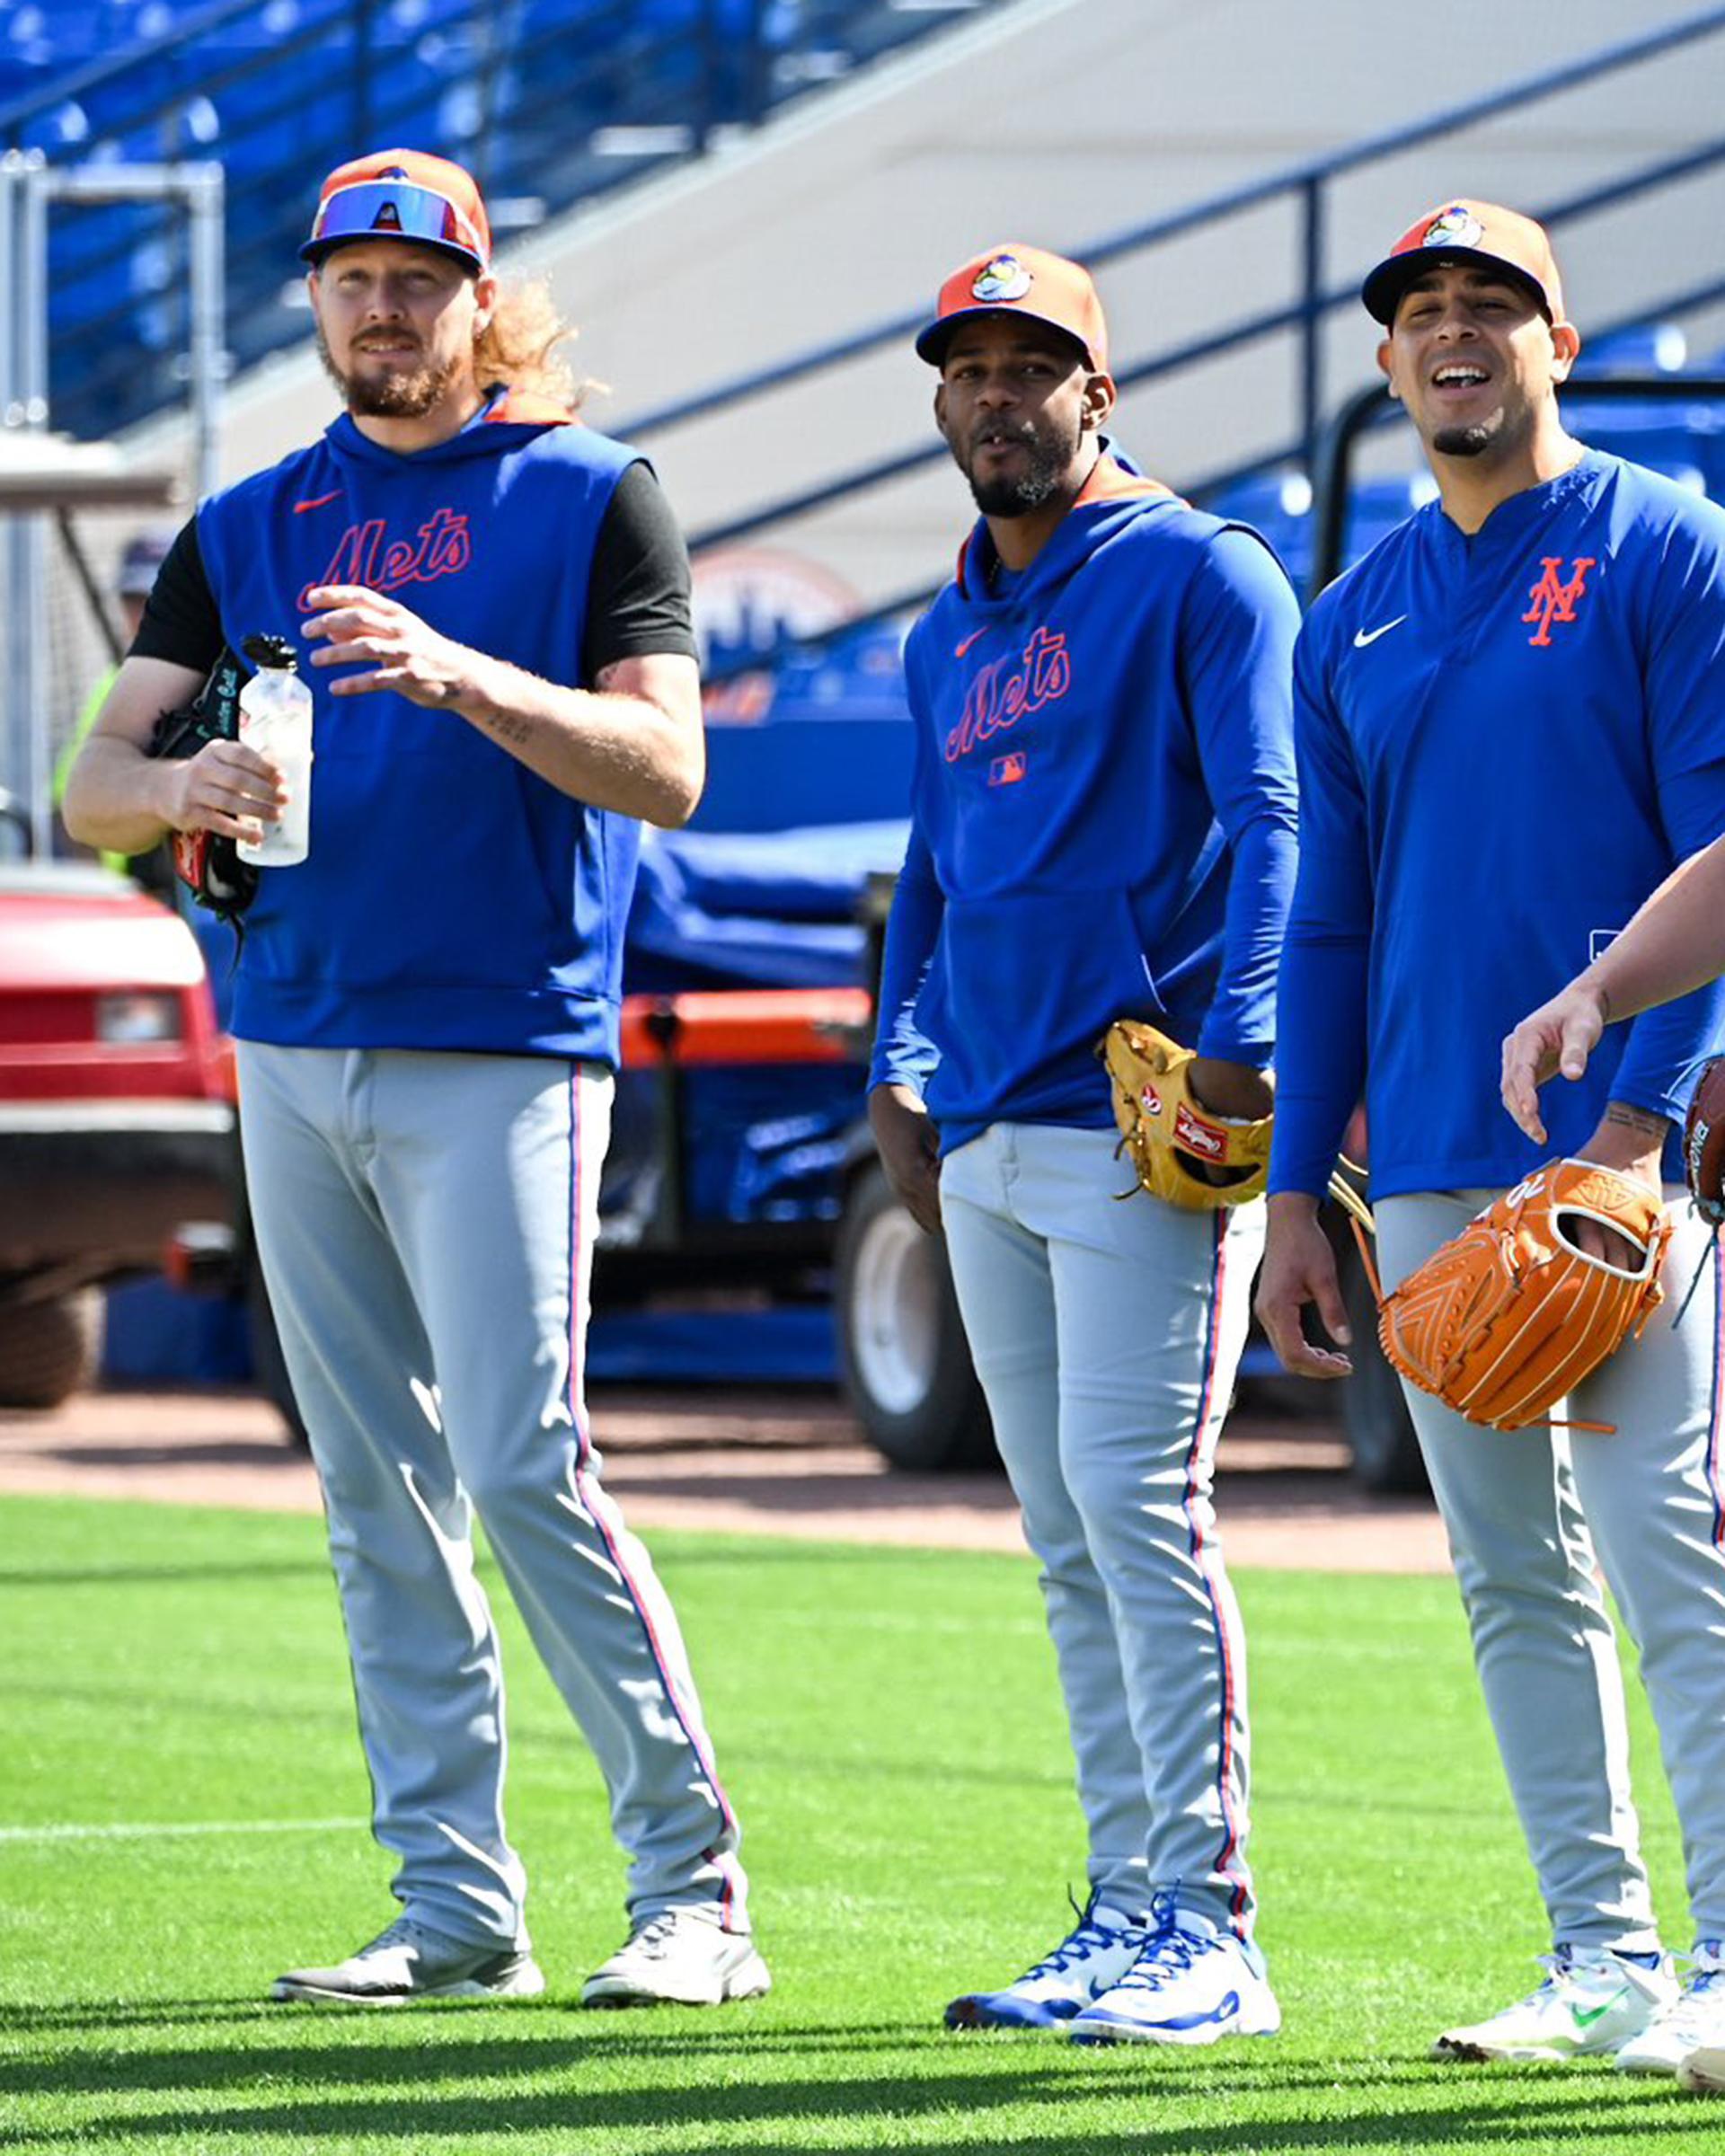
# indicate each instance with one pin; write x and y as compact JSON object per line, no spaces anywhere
{"x":437,"y":2087}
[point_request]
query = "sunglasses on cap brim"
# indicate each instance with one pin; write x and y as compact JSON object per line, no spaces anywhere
{"x":392,"y":210}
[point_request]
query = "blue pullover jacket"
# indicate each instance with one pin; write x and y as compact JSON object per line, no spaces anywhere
{"x":1103,"y":810}
{"x":1507,"y":741}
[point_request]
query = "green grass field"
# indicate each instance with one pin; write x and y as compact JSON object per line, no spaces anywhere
{"x":182,"y":1807}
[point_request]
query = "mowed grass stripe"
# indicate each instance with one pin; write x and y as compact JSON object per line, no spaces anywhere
{"x":888,"y":1725}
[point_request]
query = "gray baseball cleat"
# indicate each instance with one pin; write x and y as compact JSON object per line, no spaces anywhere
{"x":409,"y":1961}
{"x":680,"y":1958}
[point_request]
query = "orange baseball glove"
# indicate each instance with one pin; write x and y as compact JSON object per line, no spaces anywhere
{"x":1502,"y":1321}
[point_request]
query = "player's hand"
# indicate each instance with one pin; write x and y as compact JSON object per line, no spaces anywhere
{"x":227,"y":788}
{"x":1299,"y":1269}
{"x":354,"y":627}
{"x":1233,"y":1090}
{"x":1632,"y":1142}
{"x":1557,"y":1037}
{"x":909,"y":1145}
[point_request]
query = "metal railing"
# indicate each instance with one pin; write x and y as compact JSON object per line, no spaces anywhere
{"x":548,"y":101}
{"x":1316,"y":299}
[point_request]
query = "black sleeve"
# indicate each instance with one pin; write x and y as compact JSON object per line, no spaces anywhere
{"x":180,"y":619}
{"x":638,"y":589}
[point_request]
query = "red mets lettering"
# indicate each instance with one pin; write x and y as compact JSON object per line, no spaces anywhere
{"x":365,"y":555}
{"x":1553,"y":600}
{"x":1004,"y":693}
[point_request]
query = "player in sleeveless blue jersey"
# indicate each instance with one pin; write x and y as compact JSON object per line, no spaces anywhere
{"x":1102,"y":826}
{"x":494,"y":604}
{"x":1509,"y":734}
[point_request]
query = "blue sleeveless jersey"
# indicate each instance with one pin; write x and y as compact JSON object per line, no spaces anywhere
{"x":453,"y":899}
{"x":1507,"y":741}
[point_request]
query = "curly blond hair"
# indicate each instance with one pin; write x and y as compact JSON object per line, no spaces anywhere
{"x":519,"y":346}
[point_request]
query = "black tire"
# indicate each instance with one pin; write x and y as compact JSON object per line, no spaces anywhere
{"x":1387,"y":1455}
{"x":268,"y":1367}
{"x":903,"y":1355}
{"x":52,"y":1349}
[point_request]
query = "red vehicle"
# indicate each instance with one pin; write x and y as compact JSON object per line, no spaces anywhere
{"x":117,"y":1123}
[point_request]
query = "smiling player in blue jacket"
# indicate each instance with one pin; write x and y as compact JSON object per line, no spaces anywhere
{"x":1102,"y":826}
{"x":1509,"y":727}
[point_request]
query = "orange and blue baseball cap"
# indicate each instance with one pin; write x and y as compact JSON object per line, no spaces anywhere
{"x":1466,"y":233}
{"x":402,"y":195}
{"x":1014,"y":279}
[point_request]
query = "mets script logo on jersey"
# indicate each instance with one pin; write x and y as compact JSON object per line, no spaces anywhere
{"x":365,"y":553}
{"x":1554,"y":597}
{"x":999,"y":694}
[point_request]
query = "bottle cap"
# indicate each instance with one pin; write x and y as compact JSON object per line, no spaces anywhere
{"x":272,"y":652}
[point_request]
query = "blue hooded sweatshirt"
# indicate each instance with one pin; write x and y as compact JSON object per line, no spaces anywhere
{"x":1103,"y":810}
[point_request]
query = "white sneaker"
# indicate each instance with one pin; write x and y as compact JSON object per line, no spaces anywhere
{"x":408,"y":1961}
{"x":1192,"y":1984}
{"x":1594,"y":2001}
{"x":680,"y":1958}
{"x":1093,"y":1956}
{"x":1693,"y":2021}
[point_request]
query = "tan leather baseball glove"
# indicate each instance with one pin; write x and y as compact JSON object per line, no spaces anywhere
{"x":1171,"y":1140}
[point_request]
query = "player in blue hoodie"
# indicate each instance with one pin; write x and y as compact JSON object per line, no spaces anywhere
{"x":494,"y":602}
{"x":1102,"y":826}
{"x":1509,"y":725}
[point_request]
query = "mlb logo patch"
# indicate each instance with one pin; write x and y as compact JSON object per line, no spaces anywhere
{"x":1007,"y":771}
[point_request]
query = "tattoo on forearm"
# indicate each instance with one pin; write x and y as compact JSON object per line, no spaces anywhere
{"x":509,"y":726}
{"x":1645,"y":1125}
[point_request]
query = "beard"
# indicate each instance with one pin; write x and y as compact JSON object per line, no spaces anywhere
{"x":393,"y":395}
{"x":1469,"y":441}
{"x":1045,"y":472}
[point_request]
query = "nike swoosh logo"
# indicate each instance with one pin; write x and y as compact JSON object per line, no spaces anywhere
{"x":1585,"y":2017}
{"x":961,"y":650}
{"x":1362,"y":637}
{"x":300,"y":507}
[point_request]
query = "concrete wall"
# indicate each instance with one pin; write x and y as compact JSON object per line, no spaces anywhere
{"x":1063,"y":121}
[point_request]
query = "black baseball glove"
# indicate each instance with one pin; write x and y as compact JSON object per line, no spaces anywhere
{"x":208,"y":865}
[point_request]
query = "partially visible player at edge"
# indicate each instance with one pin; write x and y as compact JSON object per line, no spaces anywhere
{"x":428,"y":1021}
{"x":1674,"y":944}
{"x":1102,"y":826}
{"x":1507,"y":721}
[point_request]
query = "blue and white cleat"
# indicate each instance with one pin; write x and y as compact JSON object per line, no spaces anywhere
{"x":1692,"y":2022}
{"x":1097,"y":1953}
{"x":1192,"y":1984}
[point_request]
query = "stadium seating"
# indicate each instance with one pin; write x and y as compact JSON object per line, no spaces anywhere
{"x":551,"y":101}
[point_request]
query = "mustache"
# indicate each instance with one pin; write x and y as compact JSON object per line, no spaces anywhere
{"x":1020,"y":431}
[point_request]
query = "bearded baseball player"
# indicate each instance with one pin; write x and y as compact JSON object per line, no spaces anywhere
{"x":1507,"y":721}
{"x":493,"y":603}
{"x":1102,"y":826}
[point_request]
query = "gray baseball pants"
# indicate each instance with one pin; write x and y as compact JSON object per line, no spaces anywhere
{"x":1106,"y":1336}
{"x":427,"y":1224}
{"x":1528,"y":1513}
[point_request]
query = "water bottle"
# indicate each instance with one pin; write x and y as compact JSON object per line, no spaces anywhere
{"x":276,"y":720}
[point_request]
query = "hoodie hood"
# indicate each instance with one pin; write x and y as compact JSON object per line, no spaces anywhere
{"x":504,"y":412}
{"x":1115,"y":493}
